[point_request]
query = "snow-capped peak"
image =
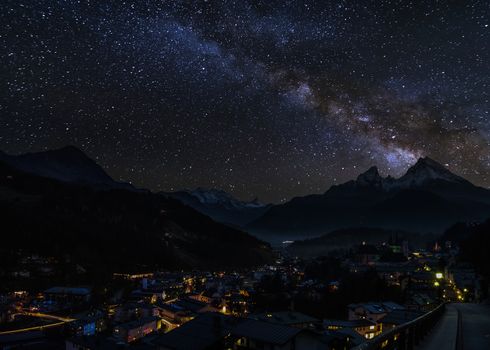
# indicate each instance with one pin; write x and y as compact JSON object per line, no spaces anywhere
{"x":427,"y":169}
{"x":422,"y":172}
{"x":215,"y":196}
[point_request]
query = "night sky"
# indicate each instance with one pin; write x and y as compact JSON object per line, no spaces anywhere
{"x":271,"y":99}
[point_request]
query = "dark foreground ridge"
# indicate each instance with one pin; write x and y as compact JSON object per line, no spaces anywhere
{"x":114,"y":229}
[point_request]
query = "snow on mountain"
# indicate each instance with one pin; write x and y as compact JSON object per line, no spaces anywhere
{"x":425,"y":170}
{"x":421,"y":173}
{"x":220,"y":205}
{"x":214,"y":196}
{"x":428,"y":197}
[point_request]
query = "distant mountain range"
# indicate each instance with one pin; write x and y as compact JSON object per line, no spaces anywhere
{"x":60,"y":203}
{"x":71,"y":165}
{"x":427,"y":198}
{"x":220,"y":205}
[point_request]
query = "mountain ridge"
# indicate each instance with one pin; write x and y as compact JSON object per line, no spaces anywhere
{"x":423,"y":171}
{"x":220,"y":205}
{"x":367,"y":201}
{"x":68,"y":164}
{"x":116,"y":229}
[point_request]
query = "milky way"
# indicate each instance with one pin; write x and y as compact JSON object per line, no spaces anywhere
{"x":271,"y":99}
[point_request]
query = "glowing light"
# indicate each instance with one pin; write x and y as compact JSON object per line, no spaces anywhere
{"x":439,"y":275}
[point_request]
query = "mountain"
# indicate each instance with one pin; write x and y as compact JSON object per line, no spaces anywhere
{"x":428,"y":197}
{"x":67,"y":164}
{"x":425,"y":171}
{"x":220,"y":205}
{"x":115,"y":229}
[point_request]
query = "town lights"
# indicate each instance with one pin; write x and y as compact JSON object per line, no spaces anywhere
{"x":439,"y":275}
{"x":436,"y":284}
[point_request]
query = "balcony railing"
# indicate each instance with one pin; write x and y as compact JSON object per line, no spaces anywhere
{"x":405,"y":336}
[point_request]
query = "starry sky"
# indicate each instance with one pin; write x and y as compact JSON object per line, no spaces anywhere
{"x":272,"y":99}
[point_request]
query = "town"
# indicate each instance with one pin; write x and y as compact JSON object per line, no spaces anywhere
{"x":339,"y":301}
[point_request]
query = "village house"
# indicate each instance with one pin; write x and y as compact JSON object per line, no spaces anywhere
{"x":364,"y":327}
{"x":135,"y":330}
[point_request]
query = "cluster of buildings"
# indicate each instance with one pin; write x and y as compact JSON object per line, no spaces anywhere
{"x":420,"y":275}
{"x":216,"y":310}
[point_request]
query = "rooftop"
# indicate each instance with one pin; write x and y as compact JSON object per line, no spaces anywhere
{"x":265,"y":332}
{"x":378,"y":307}
{"x":200,"y":333}
{"x":398,"y":317}
{"x":284,"y":317}
{"x":69,"y":290}
{"x":190,"y":304}
{"x":138,"y":323}
{"x":348,"y":324}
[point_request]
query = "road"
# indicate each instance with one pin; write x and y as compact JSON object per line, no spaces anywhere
{"x":51,"y":317}
{"x":475,"y":333}
{"x":62,"y":320}
{"x":30,"y":329}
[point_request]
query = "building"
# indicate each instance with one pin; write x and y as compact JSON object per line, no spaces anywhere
{"x":195,"y":306}
{"x":372,"y":311}
{"x":135,"y":330}
{"x":398,"y":317}
{"x":367,"y":254}
{"x":68,"y":294}
{"x":174,"y":313}
{"x":253,"y":334}
{"x":287,"y":318}
{"x":206,"y":331}
{"x":421,"y":302}
{"x":131,"y":311}
{"x":90,"y":324}
{"x":213,"y":331}
{"x":364,"y":327}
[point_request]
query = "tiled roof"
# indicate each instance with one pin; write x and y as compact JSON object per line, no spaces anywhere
{"x":377,"y":308}
{"x":265,"y":332}
{"x":200,"y":333}
{"x":285,"y":317}
{"x":398,"y":317}
{"x":349,"y":324}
